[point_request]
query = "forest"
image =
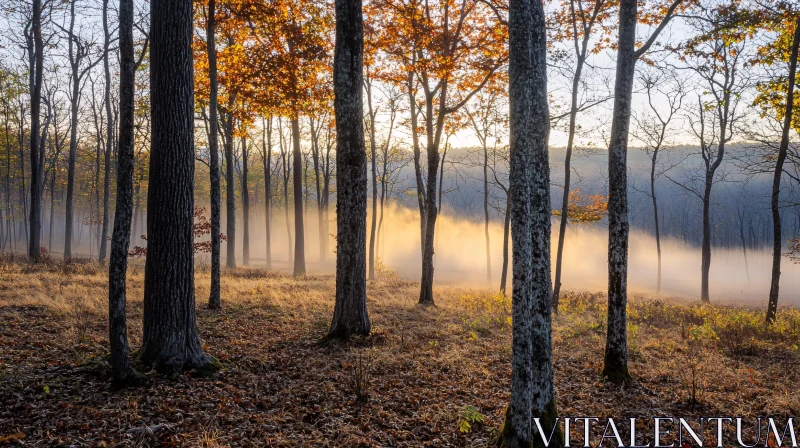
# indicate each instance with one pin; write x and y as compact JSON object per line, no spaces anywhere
{"x":511,"y":223}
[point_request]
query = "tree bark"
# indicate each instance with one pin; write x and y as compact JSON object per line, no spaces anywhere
{"x":374,"y":165}
{"x":266,"y":158}
{"x":350,"y":314}
{"x":245,"y":207}
{"x":34,"y":246}
{"x":616,"y":353}
{"x":532,"y":391}
{"x":230,"y":187}
{"x":214,"y":299}
{"x":506,"y":236}
{"x":109,"y":137}
{"x":297,"y":174}
{"x":170,"y":341}
{"x":74,"y":61}
{"x":655,"y":216}
{"x":486,"y":212}
{"x":121,"y":369}
{"x":777,"y":243}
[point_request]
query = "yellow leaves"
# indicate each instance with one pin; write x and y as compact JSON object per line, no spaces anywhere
{"x":583,"y":209}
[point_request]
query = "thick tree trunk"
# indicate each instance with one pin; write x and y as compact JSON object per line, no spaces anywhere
{"x":109,"y":137}
{"x":616,"y":354}
{"x":170,"y":341}
{"x":532,"y":391}
{"x":777,"y":243}
{"x":245,"y":207}
{"x":214,"y":299}
{"x":297,"y":174}
{"x":120,"y":240}
{"x":350,"y":314}
{"x":34,"y":242}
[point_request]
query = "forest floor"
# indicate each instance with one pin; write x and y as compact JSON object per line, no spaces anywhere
{"x":428,"y":376}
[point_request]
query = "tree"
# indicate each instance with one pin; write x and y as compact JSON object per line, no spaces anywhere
{"x":170,"y":342}
{"x":652,"y":132}
{"x":577,"y":21}
{"x":615,"y":363}
{"x":532,"y":391}
{"x":350,"y":314}
{"x":37,"y":177}
{"x":777,"y":245}
{"x":266,"y":159}
{"x":446,"y":51}
{"x":121,"y":369}
{"x":716,"y":55}
{"x":109,"y":134}
{"x":79,"y":55}
{"x":214,"y":299}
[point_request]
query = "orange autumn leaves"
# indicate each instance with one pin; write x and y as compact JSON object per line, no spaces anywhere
{"x":273,"y":56}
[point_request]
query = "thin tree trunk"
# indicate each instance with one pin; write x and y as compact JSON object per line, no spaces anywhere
{"x":170,"y":341}
{"x":245,"y":207}
{"x":109,"y":137}
{"x":350,"y":314}
{"x":73,"y":138}
{"x":532,"y":391}
{"x":297,"y":173}
{"x":34,"y":251}
{"x":266,"y":156}
{"x":506,"y":229}
{"x":230,"y":187}
{"x":616,"y":353}
{"x":121,"y":369}
{"x":705,"y":249}
{"x":655,"y":216}
{"x":374,"y":166}
{"x":777,"y":244}
{"x":486,"y":214}
{"x":214,"y":296}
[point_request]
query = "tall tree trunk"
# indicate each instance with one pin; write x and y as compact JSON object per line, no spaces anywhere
{"x":532,"y":391}
{"x":486,"y":213}
{"x":705,"y":248}
{"x":34,"y":251}
{"x":74,"y":61}
{"x":297,"y":174}
{"x":266,"y":157}
{"x":109,"y":137}
{"x":562,"y":227}
{"x":777,"y":244}
{"x":412,"y":101}
{"x":616,"y":353}
{"x":121,"y":369}
{"x":52,"y":208}
{"x":350,"y":314}
{"x":214,"y":299}
{"x":506,"y":236}
{"x":230,"y":186}
{"x":245,"y":207}
{"x":286,"y":172}
{"x":655,"y":216}
{"x":170,"y":342}
{"x":374,"y":165}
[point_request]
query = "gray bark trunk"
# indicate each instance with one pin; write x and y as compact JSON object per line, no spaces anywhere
{"x":170,"y":341}
{"x":266,"y":158}
{"x":121,"y":236}
{"x":109,"y":138}
{"x":297,"y":174}
{"x":777,"y":244}
{"x":214,"y":299}
{"x":245,"y":206}
{"x":616,"y":353}
{"x":350,"y":314}
{"x":230,"y":188}
{"x":532,"y":391}
{"x":34,"y":246}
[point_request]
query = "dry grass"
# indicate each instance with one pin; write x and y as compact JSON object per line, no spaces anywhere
{"x":415,"y":381}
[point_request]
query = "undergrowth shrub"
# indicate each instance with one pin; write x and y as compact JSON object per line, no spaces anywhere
{"x":484,"y":312}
